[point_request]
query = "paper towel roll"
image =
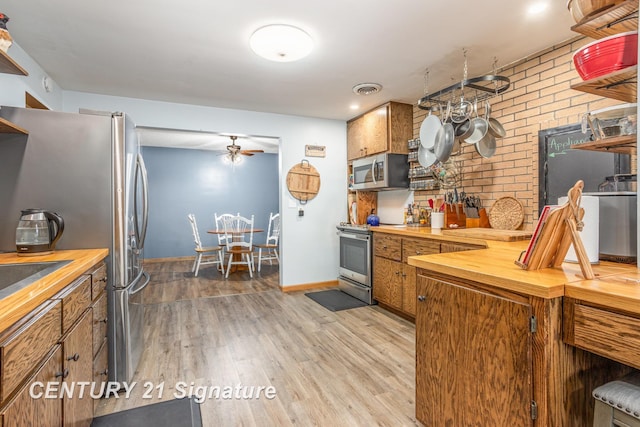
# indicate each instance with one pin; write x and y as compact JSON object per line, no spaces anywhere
{"x":590,"y":234}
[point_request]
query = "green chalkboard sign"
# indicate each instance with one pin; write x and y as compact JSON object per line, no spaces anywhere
{"x":560,"y":166}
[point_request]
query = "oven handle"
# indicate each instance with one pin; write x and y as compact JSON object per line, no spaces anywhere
{"x":354,"y":236}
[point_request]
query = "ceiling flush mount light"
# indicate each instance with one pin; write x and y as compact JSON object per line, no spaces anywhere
{"x":537,"y":8}
{"x":281,"y":43}
{"x":367,"y":88}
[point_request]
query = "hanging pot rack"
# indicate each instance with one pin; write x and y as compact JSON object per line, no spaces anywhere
{"x":480,"y":88}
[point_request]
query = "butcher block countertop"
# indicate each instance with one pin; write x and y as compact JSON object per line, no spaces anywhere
{"x":616,"y":285}
{"x":21,"y":302}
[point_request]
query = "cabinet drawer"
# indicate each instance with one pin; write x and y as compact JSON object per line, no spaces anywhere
{"x":75,"y":299}
{"x":458,"y":247}
{"x":98,"y":281}
{"x":387,"y":246}
{"x":23,"y":410}
{"x":413,"y":247}
{"x":24,"y":345}
{"x":99,"y":322}
{"x":612,"y":335}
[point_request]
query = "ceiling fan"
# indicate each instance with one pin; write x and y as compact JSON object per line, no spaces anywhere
{"x":235,"y":150}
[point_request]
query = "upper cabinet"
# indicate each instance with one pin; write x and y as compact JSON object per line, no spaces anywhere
{"x":9,"y":66}
{"x":386,"y":128}
{"x":620,"y":85}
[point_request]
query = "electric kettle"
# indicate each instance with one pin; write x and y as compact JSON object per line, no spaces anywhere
{"x":38,"y":232}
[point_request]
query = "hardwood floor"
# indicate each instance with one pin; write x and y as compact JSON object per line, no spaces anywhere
{"x":353,"y":367}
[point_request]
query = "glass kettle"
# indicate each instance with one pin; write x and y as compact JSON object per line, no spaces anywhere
{"x":38,"y":232}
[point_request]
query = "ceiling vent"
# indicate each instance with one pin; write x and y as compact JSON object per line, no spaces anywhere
{"x":367,"y":88}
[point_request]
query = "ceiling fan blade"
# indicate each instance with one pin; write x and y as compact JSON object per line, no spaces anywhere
{"x":251,"y":152}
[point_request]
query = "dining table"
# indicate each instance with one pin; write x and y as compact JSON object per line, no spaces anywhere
{"x":236,"y":235}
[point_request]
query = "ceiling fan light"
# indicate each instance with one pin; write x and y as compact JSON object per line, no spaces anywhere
{"x":232,"y":159}
{"x":281,"y":43}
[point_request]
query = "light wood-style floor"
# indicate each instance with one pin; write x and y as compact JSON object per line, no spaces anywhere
{"x":352,"y":367}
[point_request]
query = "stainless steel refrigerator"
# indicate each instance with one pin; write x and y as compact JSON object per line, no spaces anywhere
{"x":88,"y":168}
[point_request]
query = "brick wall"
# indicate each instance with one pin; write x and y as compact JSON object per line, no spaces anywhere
{"x":540,"y":97}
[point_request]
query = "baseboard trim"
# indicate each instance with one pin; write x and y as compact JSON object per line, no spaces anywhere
{"x":306,"y":286}
{"x":181,"y":258}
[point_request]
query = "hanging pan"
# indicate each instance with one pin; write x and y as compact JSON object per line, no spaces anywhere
{"x":445,"y":137}
{"x":429,"y":129}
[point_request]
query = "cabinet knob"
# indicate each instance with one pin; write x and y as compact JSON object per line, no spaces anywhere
{"x":75,"y":357}
{"x":397,"y":273}
{"x":384,"y":246}
{"x":63,"y":374}
{"x":421,"y":298}
{"x":104,"y":320}
{"x":404,"y":274}
{"x":105,"y":372}
{"x":418,"y":253}
{"x":103,"y":279}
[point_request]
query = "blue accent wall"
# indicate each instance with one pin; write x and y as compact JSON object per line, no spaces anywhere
{"x":183,"y":181}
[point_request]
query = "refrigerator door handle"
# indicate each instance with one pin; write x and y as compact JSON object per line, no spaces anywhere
{"x":143,"y":285}
{"x":141,"y":172}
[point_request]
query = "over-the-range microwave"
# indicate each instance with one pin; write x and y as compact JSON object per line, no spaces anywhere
{"x":385,"y":171}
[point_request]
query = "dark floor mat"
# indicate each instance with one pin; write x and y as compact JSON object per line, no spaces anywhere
{"x":335,"y":300}
{"x":172,"y":413}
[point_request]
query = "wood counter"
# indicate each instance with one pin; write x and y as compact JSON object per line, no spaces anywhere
{"x":495,"y":266}
{"x":20,"y":303}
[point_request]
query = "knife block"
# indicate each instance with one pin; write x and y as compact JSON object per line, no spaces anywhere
{"x":454,"y":215}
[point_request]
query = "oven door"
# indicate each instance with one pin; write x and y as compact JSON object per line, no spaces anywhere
{"x":355,"y":257}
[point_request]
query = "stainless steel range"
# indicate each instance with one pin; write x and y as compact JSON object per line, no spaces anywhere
{"x":355,"y":274}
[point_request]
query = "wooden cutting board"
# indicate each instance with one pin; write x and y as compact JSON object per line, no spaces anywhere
{"x":303,"y":181}
{"x":489,"y":234}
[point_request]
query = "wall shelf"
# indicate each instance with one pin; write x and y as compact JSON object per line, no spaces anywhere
{"x":9,"y":66}
{"x":8,"y":127}
{"x":625,"y":144}
{"x":617,"y":19}
{"x":621,"y":85}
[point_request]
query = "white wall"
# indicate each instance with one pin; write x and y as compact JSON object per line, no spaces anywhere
{"x":13,"y":87}
{"x":309,"y":243}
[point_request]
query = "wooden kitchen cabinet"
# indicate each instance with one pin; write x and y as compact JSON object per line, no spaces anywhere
{"x":78,"y":367}
{"x":386,"y":128}
{"x":473,"y":357}
{"x":489,"y":356}
{"x":23,"y":410}
{"x":100,"y":370}
{"x":53,"y":343}
{"x":387,"y":282}
{"x":394,"y":281}
{"x":601,"y":330}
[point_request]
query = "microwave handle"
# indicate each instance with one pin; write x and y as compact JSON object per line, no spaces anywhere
{"x":374,"y":163}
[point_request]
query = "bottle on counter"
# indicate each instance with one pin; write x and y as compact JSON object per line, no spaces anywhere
{"x":409,"y":214}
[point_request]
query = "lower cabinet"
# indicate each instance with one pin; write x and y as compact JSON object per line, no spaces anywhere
{"x":487,"y":356}
{"x":78,"y":368}
{"x":26,"y":411}
{"x":473,"y":357}
{"x":47,"y":355}
{"x":394,"y":280}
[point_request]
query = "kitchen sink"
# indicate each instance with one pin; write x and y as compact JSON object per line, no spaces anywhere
{"x":14,"y":277}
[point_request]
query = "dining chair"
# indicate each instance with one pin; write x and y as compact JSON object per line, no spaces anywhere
{"x":203,"y":252}
{"x":270,"y":247}
{"x":239,"y":242}
{"x":222,"y":237}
